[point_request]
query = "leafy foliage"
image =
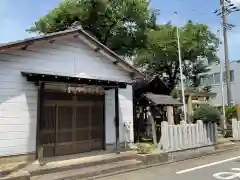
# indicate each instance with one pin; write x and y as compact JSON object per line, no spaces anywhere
{"x":144,"y":148}
{"x":175,"y":93}
{"x":121,"y":25}
{"x":199,"y":70}
{"x":231,"y":112}
{"x":207,"y":114}
{"x":129,"y":28}
{"x":161,"y":54}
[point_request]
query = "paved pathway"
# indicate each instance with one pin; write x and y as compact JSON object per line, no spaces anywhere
{"x":219,"y":166}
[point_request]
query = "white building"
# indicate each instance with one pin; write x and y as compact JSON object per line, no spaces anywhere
{"x":65,"y":92}
{"x":213,"y":79}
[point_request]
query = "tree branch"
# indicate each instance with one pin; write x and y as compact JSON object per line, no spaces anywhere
{"x":108,"y":32}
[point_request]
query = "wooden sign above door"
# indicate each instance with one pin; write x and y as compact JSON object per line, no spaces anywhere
{"x":85,"y":89}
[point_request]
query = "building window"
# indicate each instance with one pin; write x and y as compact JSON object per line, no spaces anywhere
{"x":216,"y":78}
{"x":208,"y":80}
{"x":231,"y":76}
{"x":204,"y":81}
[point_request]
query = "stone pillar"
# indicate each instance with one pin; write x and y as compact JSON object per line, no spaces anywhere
{"x":170,"y":115}
{"x":189,"y":111}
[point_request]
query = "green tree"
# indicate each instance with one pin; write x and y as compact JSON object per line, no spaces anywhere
{"x":121,"y":25}
{"x":161,"y":53}
{"x":199,"y":70}
{"x":207,"y":114}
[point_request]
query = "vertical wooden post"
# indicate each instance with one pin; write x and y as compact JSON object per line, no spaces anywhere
{"x":39,"y":148}
{"x":117,"y":120}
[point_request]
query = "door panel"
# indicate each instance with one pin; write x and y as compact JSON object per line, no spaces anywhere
{"x":83,"y":146}
{"x":97,"y":126}
{"x":71,"y":123}
{"x":83,"y":117}
{"x":64,"y":130}
{"x":65,"y":117}
{"x":47,"y":130}
{"x":83,"y":137}
{"x":64,"y":149}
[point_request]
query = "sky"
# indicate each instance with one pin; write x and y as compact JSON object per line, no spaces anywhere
{"x":18,"y":15}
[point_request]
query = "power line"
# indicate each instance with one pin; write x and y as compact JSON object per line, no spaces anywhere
{"x":226,"y":8}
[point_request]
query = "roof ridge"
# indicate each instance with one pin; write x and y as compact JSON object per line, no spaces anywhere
{"x":30,"y":41}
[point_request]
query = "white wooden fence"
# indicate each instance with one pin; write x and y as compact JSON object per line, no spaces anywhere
{"x":186,"y":136}
{"x":236,"y":129}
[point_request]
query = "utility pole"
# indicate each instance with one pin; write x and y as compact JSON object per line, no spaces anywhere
{"x":225,"y":41}
{"x":223,"y":119}
{"x":227,"y":7}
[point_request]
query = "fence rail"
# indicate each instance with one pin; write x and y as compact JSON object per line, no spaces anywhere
{"x":186,"y":136}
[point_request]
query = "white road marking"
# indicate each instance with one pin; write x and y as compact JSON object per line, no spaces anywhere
{"x":228,"y":175}
{"x":207,"y":165}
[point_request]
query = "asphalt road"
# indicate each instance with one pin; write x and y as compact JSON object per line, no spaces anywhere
{"x":219,"y":166}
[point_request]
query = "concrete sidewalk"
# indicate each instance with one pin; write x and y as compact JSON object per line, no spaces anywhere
{"x":115,"y":164}
{"x":208,"y":168}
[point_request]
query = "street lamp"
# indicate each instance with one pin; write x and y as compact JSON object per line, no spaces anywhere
{"x":181,"y":73}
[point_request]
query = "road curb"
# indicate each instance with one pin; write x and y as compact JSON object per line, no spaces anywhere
{"x":217,"y":147}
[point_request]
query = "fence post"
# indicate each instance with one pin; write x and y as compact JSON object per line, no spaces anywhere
{"x":215,"y":133}
{"x":193,"y":129}
{"x":180,"y":136}
{"x":197,"y":135}
{"x":175,"y":138}
{"x":238,"y":129}
{"x":212,"y":138}
{"x":235,"y":129}
{"x":164,"y":141}
{"x":205,"y":134}
{"x":170,"y":133}
{"x":200,"y":128}
{"x":185,"y":135}
{"x":208,"y":130}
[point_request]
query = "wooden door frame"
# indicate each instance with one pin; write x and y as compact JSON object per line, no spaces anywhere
{"x":40,"y":105}
{"x":104,"y":144}
{"x":40,"y":87}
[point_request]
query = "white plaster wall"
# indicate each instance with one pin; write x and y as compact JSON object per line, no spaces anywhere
{"x":125,"y":115}
{"x":126,"y":112}
{"x":110,"y":136}
{"x":18,"y":98}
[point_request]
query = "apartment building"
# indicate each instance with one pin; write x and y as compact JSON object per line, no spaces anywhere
{"x":214,"y":79}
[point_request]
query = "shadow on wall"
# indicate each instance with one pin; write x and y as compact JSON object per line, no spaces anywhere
{"x":18,"y":115}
